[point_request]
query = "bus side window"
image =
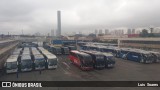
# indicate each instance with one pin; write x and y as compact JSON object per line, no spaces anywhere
{"x":72,"y":54}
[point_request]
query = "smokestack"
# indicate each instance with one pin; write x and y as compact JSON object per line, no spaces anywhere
{"x":58,"y":23}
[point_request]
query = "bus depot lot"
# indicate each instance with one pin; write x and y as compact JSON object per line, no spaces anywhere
{"x":123,"y":71}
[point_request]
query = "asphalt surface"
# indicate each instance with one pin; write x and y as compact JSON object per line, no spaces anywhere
{"x":123,"y":71}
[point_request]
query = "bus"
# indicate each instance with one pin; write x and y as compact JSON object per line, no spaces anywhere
{"x":26,"y":50}
{"x":41,"y":49}
{"x":17,"y":51}
{"x":51,"y":61}
{"x":93,"y":48}
{"x":56,"y":50}
{"x":140,"y":56}
{"x":156,"y":56}
{"x":11,"y":64}
{"x":81,"y":59}
{"x":85,"y":47}
{"x":26,"y":63}
{"x":98,"y":59}
{"x":39,"y":62}
{"x":123,"y":52}
{"x":109,"y":60}
{"x":65,"y":50}
{"x":72,"y":48}
{"x":113,"y":50}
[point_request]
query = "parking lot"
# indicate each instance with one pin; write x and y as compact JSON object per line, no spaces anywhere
{"x":123,"y":71}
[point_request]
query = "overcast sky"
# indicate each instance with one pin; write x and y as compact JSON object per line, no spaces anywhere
{"x":77,"y":15}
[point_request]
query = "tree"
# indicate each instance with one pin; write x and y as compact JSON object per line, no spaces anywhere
{"x":144,"y":33}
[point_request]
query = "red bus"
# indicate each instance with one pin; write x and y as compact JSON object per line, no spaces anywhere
{"x":82,"y":60}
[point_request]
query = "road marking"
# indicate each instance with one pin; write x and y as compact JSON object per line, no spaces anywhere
{"x":66,"y":64}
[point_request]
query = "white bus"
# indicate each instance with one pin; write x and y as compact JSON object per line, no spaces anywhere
{"x":39,"y":62}
{"x":51,"y":61}
{"x":17,"y":51}
{"x":26,"y":63}
{"x":11,"y":64}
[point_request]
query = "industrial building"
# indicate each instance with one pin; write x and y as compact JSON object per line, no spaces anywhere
{"x":145,"y":43}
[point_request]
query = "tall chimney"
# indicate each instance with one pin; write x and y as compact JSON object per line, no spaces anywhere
{"x":58,"y":23}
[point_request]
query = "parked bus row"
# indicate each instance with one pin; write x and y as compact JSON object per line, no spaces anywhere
{"x":137,"y":55}
{"x":30,"y":59}
{"x":58,"y":50}
{"x":88,"y":60}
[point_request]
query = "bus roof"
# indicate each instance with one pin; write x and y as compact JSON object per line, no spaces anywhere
{"x":140,"y":51}
{"x":35,"y":52}
{"x":26,"y":53}
{"x":50,"y":56}
{"x":92,"y":52}
{"x":79,"y":52}
{"x":65,"y":47}
{"x":107,"y":54}
{"x":38,"y":56}
{"x":154,"y":52}
{"x":12,"y":58}
{"x":41,"y":48}
{"x":25,"y":57}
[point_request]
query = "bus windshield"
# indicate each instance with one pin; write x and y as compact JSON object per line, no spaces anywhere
{"x":147,"y":57}
{"x":52,"y":62}
{"x":58,"y":49}
{"x":100,"y":59}
{"x":11,"y":65}
{"x":26,"y":64}
{"x":87,"y":61}
{"x":110,"y":58}
{"x":40,"y":63}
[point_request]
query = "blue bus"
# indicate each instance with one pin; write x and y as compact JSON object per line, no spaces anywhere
{"x":123,"y":52}
{"x":140,"y":56}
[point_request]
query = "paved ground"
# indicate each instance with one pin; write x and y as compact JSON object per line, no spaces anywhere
{"x":66,"y":71}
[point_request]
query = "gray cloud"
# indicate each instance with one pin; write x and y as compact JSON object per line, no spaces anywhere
{"x":77,"y":15}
